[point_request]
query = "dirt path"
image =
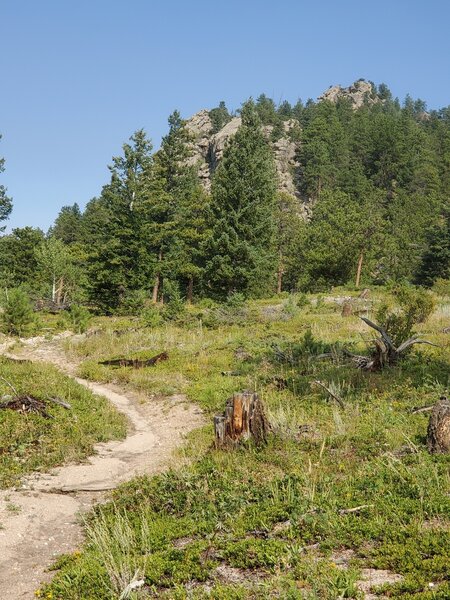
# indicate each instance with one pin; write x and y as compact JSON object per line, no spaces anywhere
{"x":42,"y":519}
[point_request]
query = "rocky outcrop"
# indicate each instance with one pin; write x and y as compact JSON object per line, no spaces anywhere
{"x":358,"y":93}
{"x":208,"y":148}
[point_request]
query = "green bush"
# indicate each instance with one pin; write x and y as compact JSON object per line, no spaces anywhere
{"x":174,"y":307}
{"x":410,"y":306}
{"x":78,"y":318}
{"x":17,"y":317}
{"x":132,"y":302}
{"x":151,"y":316}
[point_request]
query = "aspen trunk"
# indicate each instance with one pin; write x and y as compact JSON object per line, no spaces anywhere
{"x":280,"y":274}
{"x":359,"y":268}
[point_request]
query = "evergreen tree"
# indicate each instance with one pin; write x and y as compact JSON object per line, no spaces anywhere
{"x":290,"y":232}
{"x":5,"y":201}
{"x":219,"y":117}
{"x":342,"y":233}
{"x":68,"y":225}
{"x":323,"y":153}
{"x":240,"y":252}
{"x":176,"y":211}
{"x":18,"y":263}
{"x":118,"y":260}
{"x":436,"y":259}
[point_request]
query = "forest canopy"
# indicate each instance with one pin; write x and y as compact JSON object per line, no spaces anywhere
{"x":370,"y":205}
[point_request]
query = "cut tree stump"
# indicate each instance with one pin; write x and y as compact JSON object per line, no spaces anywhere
{"x":438,"y":434}
{"x":244,"y":418}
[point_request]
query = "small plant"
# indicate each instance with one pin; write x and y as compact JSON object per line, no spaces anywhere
{"x":302,"y":300}
{"x":132,"y":302}
{"x":236,"y":300}
{"x":174,"y":307}
{"x":18,"y":317}
{"x":78,"y":318}
{"x":151,"y":316}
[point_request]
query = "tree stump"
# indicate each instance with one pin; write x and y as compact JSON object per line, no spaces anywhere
{"x":347,"y":309}
{"x":244,"y":418}
{"x":438,"y":434}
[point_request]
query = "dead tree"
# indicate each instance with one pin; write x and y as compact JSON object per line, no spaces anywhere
{"x":384,"y":353}
{"x":438,"y":433}
{"x":244,"y":418}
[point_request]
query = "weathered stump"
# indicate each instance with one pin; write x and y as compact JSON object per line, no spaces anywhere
{"x":438,"y":434}
{"x":347,"y":309}
{"x":244,"y":418}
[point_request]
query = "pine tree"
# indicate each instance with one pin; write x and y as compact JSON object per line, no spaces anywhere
{"x":436,"y":259}
{"x":68,"y":225}
{"x":342,"y":232}
{"x":118,"y":259}
{"x":176,"y":211}
{"x":219,"y":117}
{"x":5,"y":201}
{"x":18,"y":263}
{"x":241,"y":254}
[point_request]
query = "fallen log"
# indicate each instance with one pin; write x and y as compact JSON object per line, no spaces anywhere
{"x":135,"y":363}
{"x":438,"y":433}
{"x":244,"y":418}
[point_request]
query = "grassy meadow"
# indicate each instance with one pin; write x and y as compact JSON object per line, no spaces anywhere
{"x":274,"y":521}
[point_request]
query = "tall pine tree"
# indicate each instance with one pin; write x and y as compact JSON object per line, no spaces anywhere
{"x":241,"y":250}
{"x":5,"y":201}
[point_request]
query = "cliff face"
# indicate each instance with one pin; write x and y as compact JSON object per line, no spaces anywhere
{"x":358,"y":93}
{"x":208,"y":148}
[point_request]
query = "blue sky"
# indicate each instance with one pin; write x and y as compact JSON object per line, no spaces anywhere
{"x":78,"y":77}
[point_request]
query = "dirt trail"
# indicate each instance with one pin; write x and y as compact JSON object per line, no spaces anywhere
{"x":42,"y":519}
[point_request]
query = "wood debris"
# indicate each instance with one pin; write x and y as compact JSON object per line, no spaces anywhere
{"x":135,"y":363}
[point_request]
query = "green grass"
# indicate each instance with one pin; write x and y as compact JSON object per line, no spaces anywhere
{"x":30,"y":442}
{"x":272,"y":516}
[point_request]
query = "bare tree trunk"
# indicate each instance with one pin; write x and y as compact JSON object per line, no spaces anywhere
{"x":359,"y":268}
{"x":190,"y":290}
{"x":54,"y":289}
{"x":280,"y":273}
{"x":59,"y":291}
{"x":157,"y":283}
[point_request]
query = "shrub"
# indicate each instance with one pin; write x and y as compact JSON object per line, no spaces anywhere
{"x":18,"y":317}
{"x":236,"y":300}
{"x":411,"y":306}
{"x":151,"y":316}
{"x":174,"y":307}
{"x":78,"y":318}
{"x":132,"y":302}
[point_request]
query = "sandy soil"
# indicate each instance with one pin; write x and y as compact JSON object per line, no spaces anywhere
{"x":42,"y":519}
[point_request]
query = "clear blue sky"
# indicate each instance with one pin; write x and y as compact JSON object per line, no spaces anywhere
{"x":78,"y":77}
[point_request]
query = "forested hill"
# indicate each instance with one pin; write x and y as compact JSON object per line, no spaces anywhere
{"x":351,"y":188}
